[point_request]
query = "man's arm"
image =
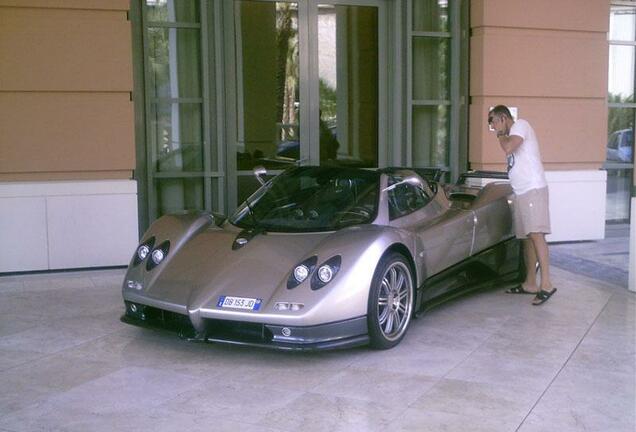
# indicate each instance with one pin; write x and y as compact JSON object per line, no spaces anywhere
{"x":509,"y":143}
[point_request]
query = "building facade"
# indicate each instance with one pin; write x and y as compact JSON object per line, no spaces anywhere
{"x":116,"y":112}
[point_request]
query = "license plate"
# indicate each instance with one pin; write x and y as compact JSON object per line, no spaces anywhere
{"x":244,"y":303}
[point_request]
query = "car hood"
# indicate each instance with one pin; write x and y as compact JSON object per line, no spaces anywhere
{"x":206,"y":267}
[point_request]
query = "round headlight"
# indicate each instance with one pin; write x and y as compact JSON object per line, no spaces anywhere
{"x":301,"y":272}
{"x":143,"y":252}
{"x":325,"y":273}
{"x":157,"y":256}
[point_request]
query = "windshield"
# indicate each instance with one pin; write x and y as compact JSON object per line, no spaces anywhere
{"x":307,"y":199}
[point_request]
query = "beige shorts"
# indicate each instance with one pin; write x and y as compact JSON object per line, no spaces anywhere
{"x":531,"y":213}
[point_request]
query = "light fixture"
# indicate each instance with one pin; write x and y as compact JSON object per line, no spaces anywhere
{"x":157,"y":256}
{"x":301,"y":272}
{"x":325,"y":273}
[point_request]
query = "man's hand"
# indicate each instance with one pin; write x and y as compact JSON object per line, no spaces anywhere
{"x":509,"y":144}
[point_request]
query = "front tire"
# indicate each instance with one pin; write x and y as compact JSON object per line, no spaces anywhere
{"x":390,"y":303}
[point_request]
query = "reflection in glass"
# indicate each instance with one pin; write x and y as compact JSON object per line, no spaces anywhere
{"x":431,"y":129}
{"x":620,"y":141}
{"x":430,"y":15}
{"x":176,"y":134}
{"x":622,"y":23}
{"x":348,"y":84}
{"x":268,"y":81}
{"x":619,"y":184}
{"x":431,"y":66}
{"x":621,"y":74}
{"x":174,"y":63}
{"x":179,"y":194}
{"x":172,"y":11}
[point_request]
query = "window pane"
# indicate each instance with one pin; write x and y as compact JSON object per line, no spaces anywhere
{"x":620,"y":141}
{"x":431,"y":65}
{"x":268,"y":84}
{"x":348,"y":73}
{"x":176,"y":195}
{"x":623,"y":23}
{"x":430,"y":15}
{"x":621,"y":74}
{"x":619,"y":183}
{"x":177,"y":136}
{"x":174,"y":62}
{"x":431,"y":127}
{"x":173,"y":10}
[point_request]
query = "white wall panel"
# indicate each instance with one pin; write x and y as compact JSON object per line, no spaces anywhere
{"x":23,"y":234}
{"x":67,"y":224}
{"x":577,"y":205}
{"x":91,"y":231}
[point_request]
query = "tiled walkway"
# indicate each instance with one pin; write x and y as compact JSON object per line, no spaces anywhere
{"x":485,"y":362}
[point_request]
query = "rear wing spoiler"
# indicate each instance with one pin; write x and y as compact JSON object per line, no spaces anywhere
{"x":485,"y":175}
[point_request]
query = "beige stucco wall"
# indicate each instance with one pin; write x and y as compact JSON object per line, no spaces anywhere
{"x":65,"y":86}
{"x":549,"y":59}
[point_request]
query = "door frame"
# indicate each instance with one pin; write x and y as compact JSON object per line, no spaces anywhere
{"x":309,"y":124}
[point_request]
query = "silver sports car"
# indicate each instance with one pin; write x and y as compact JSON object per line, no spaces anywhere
{"x":324,"y":257}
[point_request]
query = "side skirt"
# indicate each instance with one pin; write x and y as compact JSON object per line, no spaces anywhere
{"x":501,"y":264}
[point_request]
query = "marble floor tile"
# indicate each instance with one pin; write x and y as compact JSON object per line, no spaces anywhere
{"x":415,"y":358}
{"x":392,"y":390}
{"x":47,"y":339}
{"x":503,"y":368}
{"x":510,"y":404}
{"x":314,"y":412}
{"x":584,"y":399}
{"x":235,"y":401}
{"x":420,"y":420}
{"x":46,"y":376}
{"x":10,"y":358}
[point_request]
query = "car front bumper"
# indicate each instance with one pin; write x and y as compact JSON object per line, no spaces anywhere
{"x":341,"y":334}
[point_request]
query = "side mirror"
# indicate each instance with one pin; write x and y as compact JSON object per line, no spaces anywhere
{"x":259,"y":171}
{"x":415,"y":181}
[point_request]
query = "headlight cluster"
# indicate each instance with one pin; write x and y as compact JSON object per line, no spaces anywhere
{"x":143,"y":250}
{"x":321,"y":274}
{"x":156,"y":254}
{"x":301,"y":272}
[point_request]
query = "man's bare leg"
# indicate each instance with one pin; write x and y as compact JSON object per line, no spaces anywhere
{"x":543,"y":255}
{"x":530,"y":258}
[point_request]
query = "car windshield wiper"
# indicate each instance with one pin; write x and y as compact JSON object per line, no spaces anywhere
{"x":257,"y":227}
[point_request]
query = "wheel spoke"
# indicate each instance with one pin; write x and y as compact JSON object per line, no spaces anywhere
{"x":389,"y":323}
{"x":383,"y":316}
{"x":393,"y":277}
{"x":397,"y":321}
{"x":383,"y":301}
{"x":400,"y":281}
{"x":385,"y":288}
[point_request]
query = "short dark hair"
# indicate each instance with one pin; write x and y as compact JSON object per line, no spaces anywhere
{"x":499,"y":110}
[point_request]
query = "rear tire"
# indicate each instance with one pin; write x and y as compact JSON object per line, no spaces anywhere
{"x":390,"y":303}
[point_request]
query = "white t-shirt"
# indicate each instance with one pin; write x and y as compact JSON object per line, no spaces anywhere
{"x":525,"y":167}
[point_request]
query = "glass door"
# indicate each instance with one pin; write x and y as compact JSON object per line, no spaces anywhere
{"x":182,"y":158}
{"x":346,"y":83}
{"x":309,"y":87}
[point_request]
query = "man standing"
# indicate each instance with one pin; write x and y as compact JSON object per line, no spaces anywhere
{"x":530,"y":212}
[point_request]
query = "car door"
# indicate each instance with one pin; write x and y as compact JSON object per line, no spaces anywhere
{"x":442,"y":236}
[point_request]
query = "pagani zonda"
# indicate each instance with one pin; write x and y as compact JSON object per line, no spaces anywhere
{"x":323,"y":257}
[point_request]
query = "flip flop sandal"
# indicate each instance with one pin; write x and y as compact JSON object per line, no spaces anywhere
{"x":542,"y":297}
{"x":519,"y":290}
